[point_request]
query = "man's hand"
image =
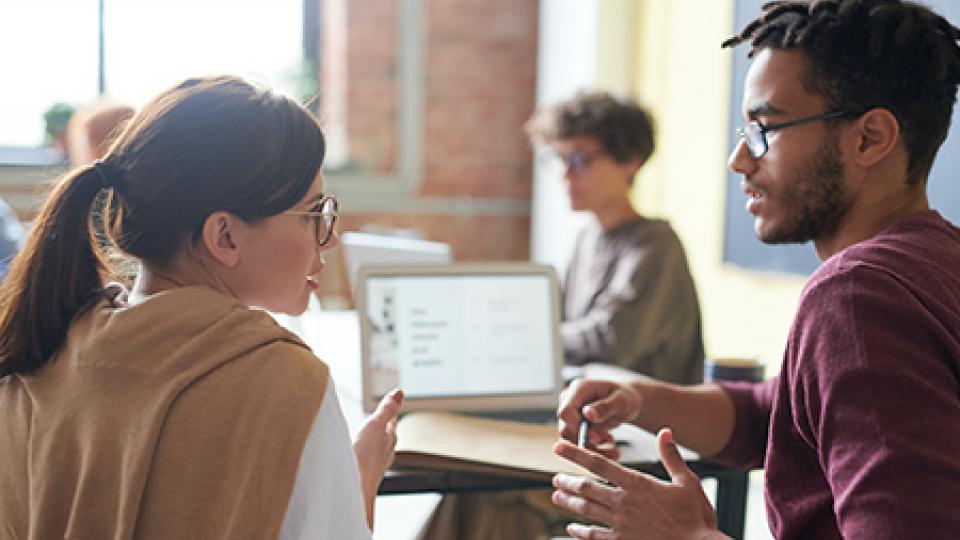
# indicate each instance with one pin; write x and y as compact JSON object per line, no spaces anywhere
{"x":636,"y":505}
{"x":605,"y":404}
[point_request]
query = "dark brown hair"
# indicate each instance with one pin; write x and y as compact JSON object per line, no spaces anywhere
{"x":206,"y":145}
{"x":862,"y":54}
{"x":623,"y":128}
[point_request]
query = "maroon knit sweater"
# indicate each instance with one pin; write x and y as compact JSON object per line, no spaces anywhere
{"x":860,"y":432}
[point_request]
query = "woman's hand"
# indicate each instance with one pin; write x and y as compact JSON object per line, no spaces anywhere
{"x":374,"y":446}
{"x":636,"y":506}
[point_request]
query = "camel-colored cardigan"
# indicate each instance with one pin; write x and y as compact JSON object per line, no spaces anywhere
{"x":180,"y":417}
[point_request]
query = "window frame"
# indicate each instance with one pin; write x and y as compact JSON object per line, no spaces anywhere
{"x":405,"y":177}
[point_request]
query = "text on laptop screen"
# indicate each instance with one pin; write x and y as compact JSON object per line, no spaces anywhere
{"x":439,"y":335}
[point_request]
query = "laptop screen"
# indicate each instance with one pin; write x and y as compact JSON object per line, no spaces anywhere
{"x":469,"y":332}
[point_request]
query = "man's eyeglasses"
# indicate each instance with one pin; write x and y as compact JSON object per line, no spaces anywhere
{"x":755,"y":133}
{"x":324,"y":215}
{"x":576,"y":162}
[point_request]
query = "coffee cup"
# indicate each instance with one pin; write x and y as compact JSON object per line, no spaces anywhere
{"x":732,"y":369}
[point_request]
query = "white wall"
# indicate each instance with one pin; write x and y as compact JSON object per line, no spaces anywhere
{"x":566,"y":63}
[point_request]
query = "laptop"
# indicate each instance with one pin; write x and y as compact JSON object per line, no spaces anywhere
{"x":361,"y":249}
{"x":478,"y":338}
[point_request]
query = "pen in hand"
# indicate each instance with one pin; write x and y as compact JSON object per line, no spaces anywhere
{"x":582,"y":434}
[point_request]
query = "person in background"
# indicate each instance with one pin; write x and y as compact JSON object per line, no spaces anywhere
{"x":11,"y":236}
{"x":180,"y":409}
{"x":628,"y":297}
{"x":92,"y":129}
{"x":846,"y":104}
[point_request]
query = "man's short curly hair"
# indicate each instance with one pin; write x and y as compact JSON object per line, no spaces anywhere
{"x":862,"y":54}
{"x":623,"y":128}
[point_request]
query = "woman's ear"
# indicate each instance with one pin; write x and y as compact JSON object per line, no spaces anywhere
{"x":878,"y":132}
{"x":220,"y":237}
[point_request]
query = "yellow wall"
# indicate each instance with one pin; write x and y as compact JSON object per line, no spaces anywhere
{"x":617,"y":52}
{"x":670,"y":60}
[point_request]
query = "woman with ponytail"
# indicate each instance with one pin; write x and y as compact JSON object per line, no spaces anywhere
{"x":179,"y":409}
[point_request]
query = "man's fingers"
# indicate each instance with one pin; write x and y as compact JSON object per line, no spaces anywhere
{"x":586,"y":488}
{"x":596,"y":435}
{"x":607,"y":411}
{"x":600,"y":436}
{"x":572,"y":400}
{"x":678,"y":470}
{"x":589,"y":532}
{"x":583,"y":506}
{"x":598,"y":440}
{"x":594,"y":462}
{"x":605,"y":404}
{"x":583,"y":392}
{"x":603,"y":443}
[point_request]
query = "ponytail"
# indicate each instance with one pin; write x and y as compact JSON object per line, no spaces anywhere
{"x":205,"y":145}
{"x":54,"y":277}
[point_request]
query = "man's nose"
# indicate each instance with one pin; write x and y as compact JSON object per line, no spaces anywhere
{"x":740,"y":160}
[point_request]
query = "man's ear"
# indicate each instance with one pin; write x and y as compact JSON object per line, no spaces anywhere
{"x":878,"y":132}
{"x":219,"y":237}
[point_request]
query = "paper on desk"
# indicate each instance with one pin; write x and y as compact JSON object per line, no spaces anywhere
{"x":641,"y":446}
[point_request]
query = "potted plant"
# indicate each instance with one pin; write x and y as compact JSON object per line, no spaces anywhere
{"x":55,"y":121}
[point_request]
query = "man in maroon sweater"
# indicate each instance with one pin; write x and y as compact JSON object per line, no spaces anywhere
{"x":847,"y":103}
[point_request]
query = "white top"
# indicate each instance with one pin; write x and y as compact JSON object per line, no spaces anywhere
{"x":327,"y":501}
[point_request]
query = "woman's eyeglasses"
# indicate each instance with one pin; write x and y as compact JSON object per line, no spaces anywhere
{"x":324,"y":215}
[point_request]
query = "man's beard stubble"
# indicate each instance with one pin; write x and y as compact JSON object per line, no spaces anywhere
{"x":816,"y":197}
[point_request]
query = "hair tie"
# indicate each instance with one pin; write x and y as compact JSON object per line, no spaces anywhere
{"x":101,"y":169}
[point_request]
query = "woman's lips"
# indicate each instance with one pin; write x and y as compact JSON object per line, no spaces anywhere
{"x":312,"y":276}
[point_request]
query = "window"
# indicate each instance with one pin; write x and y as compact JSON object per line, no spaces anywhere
{"x":150,"y":45}
{"x":362,"y":59}
{"x":50,"y":56}
{"x":147,"y":46}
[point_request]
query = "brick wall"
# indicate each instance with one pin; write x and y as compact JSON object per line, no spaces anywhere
{"x":481,"y":70}
{"x":371,"y":94}
{"x":480,"y":81}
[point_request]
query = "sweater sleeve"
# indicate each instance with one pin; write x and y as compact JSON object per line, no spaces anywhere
{"x":327,"y":501}
{"x":752,"y":403}
{"x":875,"y":393}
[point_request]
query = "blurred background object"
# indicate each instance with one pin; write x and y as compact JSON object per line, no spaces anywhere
{"x":55,"y":120}
{"x":92,"y":129}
